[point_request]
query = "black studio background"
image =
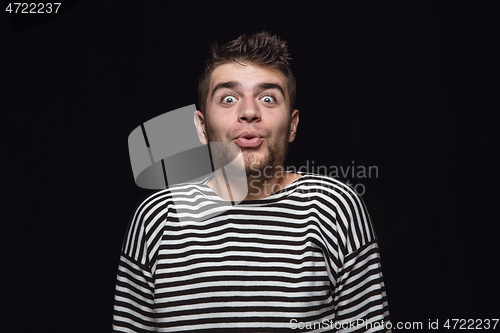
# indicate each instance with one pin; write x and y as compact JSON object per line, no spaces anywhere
{"x":409,"y":87}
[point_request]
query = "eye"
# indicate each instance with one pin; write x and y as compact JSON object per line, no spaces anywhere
{"x":268,"y":99}
{"x":228,"y":99}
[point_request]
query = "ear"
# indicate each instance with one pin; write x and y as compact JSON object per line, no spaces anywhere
{"x":199,"y":122}
{"x":294,"y":123}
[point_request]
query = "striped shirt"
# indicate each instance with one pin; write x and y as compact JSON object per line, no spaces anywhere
{"x":304,"y":259}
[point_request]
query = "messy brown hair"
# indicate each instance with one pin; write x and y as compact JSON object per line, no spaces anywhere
{"x":261,"y":48}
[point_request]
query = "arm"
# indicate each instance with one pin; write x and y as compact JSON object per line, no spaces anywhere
{"x":359,"y":293}
{"x":134,"y":308}
{"x":134,"y":301}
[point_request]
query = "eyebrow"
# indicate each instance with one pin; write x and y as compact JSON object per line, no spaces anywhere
{"x":233,"y":84}
{"x":229,"y":84}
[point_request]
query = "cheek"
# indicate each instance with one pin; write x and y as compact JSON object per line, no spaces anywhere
{"x":283,"y":129}
{"x":217,"y":129}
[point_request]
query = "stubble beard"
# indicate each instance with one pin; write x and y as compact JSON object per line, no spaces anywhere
{"x":266,"y":166}
{"x":256,"y":168}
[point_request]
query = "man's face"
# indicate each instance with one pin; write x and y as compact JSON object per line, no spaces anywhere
{"x":246,"y":105}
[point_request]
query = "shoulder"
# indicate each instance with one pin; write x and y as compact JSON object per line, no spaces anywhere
{"x":332,"y":193}
{"x":329,"y":186}
{"x":344,"y":204}
{"x":150,"y":214}
{"x":159,"y":202}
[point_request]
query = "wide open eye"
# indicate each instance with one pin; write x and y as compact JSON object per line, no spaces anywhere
{"x":228,"y":99}
{"x":268,"y":99}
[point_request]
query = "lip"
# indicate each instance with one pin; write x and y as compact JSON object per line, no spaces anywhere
{"x":243,"y":141}
{"x":248,"y":143}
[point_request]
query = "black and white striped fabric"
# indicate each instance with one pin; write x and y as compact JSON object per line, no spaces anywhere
{"x":302,"y":259}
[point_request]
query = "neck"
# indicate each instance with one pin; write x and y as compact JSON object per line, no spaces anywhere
{"x":236,"y":187}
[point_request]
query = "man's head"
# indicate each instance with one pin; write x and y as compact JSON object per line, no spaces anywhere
{"x":248,"y":91}
{"x":262,"y":49}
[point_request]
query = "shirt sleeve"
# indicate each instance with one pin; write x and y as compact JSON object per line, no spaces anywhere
{"x":134,"y":305}
{"x":134,"y":297}
{"x":359,"y":294}
{"x":360,"y":297}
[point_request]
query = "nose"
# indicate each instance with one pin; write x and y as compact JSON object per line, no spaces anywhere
{"x":249,"y":111}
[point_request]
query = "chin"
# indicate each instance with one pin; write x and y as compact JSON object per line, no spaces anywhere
{"x":255,"y":166}
{"x":257,"y":160}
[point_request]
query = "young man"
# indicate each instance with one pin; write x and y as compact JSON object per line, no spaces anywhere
{"x":294,"y":252}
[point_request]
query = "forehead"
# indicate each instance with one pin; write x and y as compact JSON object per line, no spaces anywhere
{"x":247,"y":74}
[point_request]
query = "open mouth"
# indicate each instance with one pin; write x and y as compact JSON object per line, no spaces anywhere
{"x":248,"y":141}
